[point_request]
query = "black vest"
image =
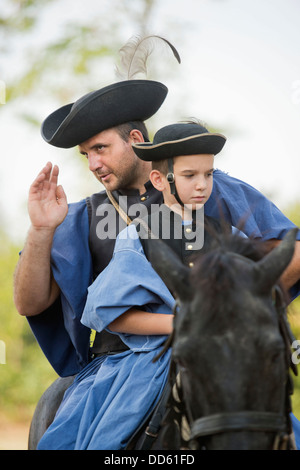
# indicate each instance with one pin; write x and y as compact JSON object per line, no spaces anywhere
{"x":187,"y":240}
{"x":105,"y":224}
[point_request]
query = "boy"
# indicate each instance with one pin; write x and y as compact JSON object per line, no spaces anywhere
{"x":182,"y":158}
{"x":116,"y":392}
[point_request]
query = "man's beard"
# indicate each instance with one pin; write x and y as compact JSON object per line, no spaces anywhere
{"x":125,"y":180}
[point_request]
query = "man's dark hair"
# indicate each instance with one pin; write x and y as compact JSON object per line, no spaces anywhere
{"x":125,"y":129}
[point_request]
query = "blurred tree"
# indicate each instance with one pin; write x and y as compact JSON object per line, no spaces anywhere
{"x":84,"y":47}
{"x":293,"y":213}
{"x":26,"y":373}
{"x":54,"y":51}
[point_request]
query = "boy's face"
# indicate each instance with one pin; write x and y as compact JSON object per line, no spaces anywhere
{"x":193,"y":178}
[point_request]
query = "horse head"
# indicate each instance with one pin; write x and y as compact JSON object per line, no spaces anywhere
{"x":229,"y":344}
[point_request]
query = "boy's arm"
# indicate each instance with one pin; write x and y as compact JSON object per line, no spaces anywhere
{"x":138,"y":322}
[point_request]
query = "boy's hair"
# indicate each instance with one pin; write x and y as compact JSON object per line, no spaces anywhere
{"x":161,"y":165}
{"x":124,"y":129}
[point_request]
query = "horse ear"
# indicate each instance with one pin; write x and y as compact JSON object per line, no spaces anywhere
{"x":271,"y":267}
{"x":170,"y":268}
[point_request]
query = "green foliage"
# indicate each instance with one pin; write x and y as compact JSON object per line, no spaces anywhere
{"x":78,"y":50}
{"x":26,"y":373}
{"x":20,"y":14}
{"x":293,"y":213}
{"x":295,"y":325}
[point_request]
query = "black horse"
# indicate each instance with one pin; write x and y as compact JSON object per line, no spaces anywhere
{"x":231,"y":346}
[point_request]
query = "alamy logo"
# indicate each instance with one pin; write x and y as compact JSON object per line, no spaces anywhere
{"x":2,"y":92}
{"x":110,"y":224}
{"x":2,"y":352}
{"x":296,"y":353}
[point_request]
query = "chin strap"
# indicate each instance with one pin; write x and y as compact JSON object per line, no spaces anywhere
{"x":171,"y":181}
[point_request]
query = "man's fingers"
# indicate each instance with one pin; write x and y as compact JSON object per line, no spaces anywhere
{"x":46,"y":179}
{"x":54,"y":175}
{"x":46,"y":171}
{"x":43,"y":174}
{"x":60,"y":194}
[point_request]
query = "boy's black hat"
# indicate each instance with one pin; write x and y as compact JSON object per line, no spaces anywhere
{"x":180,"y":139}
{"x":129,"y":100}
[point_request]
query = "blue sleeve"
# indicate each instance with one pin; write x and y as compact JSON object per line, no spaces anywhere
{"x":238,"y":202}
{"x":129,"y":280}
{"x":58,"y":330}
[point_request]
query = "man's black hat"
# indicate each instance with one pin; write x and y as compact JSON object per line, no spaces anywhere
{"x":180,"y":139}
{"x":129,"y":100}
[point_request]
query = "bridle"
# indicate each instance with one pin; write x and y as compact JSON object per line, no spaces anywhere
{"x":242,"y":421}
{"x":258,"y":421}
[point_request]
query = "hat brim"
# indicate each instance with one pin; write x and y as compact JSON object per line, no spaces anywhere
{"x":206,"y":143}
{"x":131,"y":100}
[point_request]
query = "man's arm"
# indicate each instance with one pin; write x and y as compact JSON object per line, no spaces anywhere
{"x":34,"y":286}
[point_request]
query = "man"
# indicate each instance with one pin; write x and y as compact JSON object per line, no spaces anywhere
{"x":47,"y":295}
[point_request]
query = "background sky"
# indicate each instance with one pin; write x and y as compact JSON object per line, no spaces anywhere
{"x":240,"y":73}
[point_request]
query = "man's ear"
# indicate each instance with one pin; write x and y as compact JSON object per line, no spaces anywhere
{"x":158,"y":180}
{"x":136,"y":136}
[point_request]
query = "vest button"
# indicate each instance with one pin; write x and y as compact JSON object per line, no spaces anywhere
{"x":190,"y":247}
{"x":188,"y":230}
{"x":144,"y":198}
{"x":191,"y":265}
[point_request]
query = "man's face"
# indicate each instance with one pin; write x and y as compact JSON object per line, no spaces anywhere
{"x":112,"y":160}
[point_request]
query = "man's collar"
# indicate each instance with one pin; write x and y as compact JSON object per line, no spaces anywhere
{"x":135,"y":192}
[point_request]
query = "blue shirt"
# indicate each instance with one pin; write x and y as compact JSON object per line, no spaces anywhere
{"x":114,"y":394}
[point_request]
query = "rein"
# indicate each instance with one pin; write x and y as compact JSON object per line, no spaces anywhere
{"x":118,"y":208}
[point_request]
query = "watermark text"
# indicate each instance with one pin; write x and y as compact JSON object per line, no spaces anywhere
{"x":175,"y":222}
{"x":296,"y":353}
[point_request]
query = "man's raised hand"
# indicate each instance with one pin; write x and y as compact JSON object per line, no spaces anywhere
{"x":47,"y":202}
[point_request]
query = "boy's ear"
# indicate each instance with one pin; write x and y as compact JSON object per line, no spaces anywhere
{"x":158,"y":180}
